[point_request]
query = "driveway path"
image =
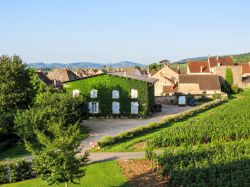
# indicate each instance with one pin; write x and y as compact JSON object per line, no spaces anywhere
{"x":111,"y":127}
{"x":101,"y":157}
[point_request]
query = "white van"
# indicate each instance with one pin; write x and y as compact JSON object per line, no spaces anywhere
{"x":182,"y":101}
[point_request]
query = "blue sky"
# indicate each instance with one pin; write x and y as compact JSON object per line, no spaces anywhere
{"x":143,"y":31}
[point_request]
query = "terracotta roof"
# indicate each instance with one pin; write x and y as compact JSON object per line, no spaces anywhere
{"x":206,"y":82}
{"x":198,"y":66}
{"x":81,"y":73}
{"x":223,"y":61}
{"x":245,"y":68}
{"x":62,"y":74}
{"x":44,"y":78}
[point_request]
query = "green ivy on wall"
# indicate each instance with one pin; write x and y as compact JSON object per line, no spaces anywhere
{"x":105,"y":84}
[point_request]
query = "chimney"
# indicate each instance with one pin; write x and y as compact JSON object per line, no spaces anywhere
{"x":217,"y":58}
{"x":125,"y":74}
{"x":179,"y":69}
{"x":54,"y":82}
{"x":201,"y":69}
{"x":148,"y":71}
{"x":208,"y":59}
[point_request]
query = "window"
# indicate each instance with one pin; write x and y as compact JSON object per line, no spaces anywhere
{"x":93,"y":107}
{"x":116,"y":108}
{"x":93,"y":94}
{"x":75,"y":93}
{"x":134,"y":107}
{"x":115,"y":94}
{"x":134,"y":94}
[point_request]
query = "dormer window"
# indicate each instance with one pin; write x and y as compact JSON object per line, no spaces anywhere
{"x":134,"y":94}
{"x":75,"y":93}
{"x":93,"y":94}
{"x":115,"y":94}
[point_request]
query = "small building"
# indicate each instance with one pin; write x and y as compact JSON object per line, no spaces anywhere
{"x":199,"y":84}
{"x":167,"y":81}
{"x":62,"y":74}
{"x":117,"y":94}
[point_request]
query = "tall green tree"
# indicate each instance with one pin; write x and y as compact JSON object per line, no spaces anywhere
{"x":57,"y":161}
{"x":229,"y":77}
{"x":16,"y":90}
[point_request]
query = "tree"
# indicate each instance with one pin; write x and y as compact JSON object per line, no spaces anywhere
{"x":49,"y":107}
{"x":164,"y":61}
{"x":56,"y":162}
{"x":229,"y":77}
{"x":16,"y":90}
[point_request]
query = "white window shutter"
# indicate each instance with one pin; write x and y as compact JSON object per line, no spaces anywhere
{"x":115,"y":94}
{"x":93,"y":94}
{"x":134,"y":94}
{"x":116,"y":108}
{"x":134,"y":107}
{"x":90,"y":107}
{"x":75,"y":93}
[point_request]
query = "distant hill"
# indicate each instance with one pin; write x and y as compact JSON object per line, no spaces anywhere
{"x":238,"y":58}
{"x":42,"y":65}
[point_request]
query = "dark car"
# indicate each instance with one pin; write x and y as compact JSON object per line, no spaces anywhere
{"x":192,"y":102}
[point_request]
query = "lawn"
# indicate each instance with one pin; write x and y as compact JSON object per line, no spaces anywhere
{"x":102,"y":174}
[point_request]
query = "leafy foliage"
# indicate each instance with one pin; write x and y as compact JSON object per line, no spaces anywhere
{"x":56,"y":161}
{"x":48,"y":108}
{"x":16,"y":90}
{"x":221,"y":164}
{"x":242,"y":58}
{"x":105,"y":84}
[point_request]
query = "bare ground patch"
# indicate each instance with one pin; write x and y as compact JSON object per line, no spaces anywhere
{"x":143,"y":173}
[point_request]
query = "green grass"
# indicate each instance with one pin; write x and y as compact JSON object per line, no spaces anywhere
{"x":103,"y":174}
{"x":225,"y":113}
{"x":18,"y":150}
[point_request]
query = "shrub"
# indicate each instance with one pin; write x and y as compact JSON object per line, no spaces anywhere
{"x":15,"y":171}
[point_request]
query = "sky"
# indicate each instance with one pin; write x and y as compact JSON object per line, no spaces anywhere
{"x":104,"y":31}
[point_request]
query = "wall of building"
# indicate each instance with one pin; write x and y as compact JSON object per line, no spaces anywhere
{"x":105,"y":84}
{"x":237,"y":74}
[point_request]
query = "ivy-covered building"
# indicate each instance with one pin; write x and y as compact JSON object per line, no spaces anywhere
{"x":116,"y":94}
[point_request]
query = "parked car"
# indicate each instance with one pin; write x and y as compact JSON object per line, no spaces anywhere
{"x":182,"y":100}
{"x":192,"y":102}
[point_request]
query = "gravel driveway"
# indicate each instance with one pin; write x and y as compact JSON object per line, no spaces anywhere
{"x":111,"y":127}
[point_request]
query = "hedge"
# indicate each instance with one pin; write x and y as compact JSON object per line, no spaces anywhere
{"x":108,"y":140}
{"x":16,"y":171}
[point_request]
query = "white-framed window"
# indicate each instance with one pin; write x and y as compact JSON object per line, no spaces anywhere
{"x":93,"y":107}
{"x":134,"y":107}
{"x":134,"y":94}
{"x":115,"y":94}
{"x":75,"y":93}
{"x":115,"y":107}
{"x":93,"y":93}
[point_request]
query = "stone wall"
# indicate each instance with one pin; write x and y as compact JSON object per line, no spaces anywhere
{"x":237,"y":74}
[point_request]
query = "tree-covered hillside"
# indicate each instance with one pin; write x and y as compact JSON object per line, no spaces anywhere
{"x":242,"y":58}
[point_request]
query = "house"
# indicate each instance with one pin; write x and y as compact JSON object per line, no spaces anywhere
{"x":131,"y":71}
{"x":167,"y":81}
{"x":81,"y":73}
{"x":198,"y":84}
{"x":118,"y":94}
{"x":43,"y":77}
{"x":62,"y":74}
{"x":207,"y":67}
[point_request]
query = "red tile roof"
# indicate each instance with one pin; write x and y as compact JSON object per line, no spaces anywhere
{"x":206,"y":82}
{"x":245,"y":68}
{"x":198,"y":67}
{"x":223,"y":61}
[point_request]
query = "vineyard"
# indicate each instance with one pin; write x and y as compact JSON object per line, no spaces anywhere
{"x":210,"y":150}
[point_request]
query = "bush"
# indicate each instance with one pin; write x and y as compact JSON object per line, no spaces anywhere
{"x":16,"y":171}
{"x":108,"y":140}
